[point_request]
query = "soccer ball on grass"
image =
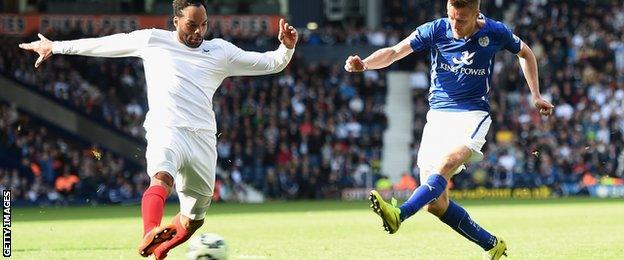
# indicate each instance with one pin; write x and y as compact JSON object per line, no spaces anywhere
{"x":207,"y":246}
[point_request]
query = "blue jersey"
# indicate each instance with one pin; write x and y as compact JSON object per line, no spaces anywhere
{"x":461,"y":69}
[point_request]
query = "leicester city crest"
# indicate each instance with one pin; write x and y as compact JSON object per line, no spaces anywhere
{"x":484,"y":41}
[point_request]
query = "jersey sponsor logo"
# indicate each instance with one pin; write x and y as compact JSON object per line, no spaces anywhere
{"x":465,"y":71}
{"x":484,"y":41}
{"x":465,"y":59}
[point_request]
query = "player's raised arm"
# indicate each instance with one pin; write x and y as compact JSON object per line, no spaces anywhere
{"x":117,"y":45}
{"x":528,"y":63}
{"x":379,"y":59}
{"x":248,"y":63}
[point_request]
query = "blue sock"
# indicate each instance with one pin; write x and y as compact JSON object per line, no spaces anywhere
{"x":458,"y":219}
{"x":423,"y":195}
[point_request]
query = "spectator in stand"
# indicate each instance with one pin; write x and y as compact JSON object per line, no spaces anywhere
{"x":65,"y":184}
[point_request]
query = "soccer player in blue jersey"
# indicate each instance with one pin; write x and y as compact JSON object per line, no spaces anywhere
{"x":462,"y":48}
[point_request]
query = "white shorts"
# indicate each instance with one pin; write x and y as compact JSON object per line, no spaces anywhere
{"x":190,"y":157}
{"x":446,"y":131}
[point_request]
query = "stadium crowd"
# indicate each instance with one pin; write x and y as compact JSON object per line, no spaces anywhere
{"x":581,"y":68}
{"x":45,"y":165}
{"x":313,"y":130}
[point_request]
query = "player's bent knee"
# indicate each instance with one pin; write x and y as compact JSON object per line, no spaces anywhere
{"x":448,"y":167}
{"x":452,"y":161}
{"x":162,"y":178}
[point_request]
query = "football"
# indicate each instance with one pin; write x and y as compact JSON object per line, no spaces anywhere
{"x":207,"y":246}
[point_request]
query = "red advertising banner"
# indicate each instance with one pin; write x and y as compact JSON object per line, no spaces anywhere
{"x":15,"y":24}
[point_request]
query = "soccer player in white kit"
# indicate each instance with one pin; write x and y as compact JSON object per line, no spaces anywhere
{"x":182,"y":72}
{"x":462,"y":48}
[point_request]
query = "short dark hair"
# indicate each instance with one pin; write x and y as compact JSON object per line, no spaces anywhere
{"x":473,"y":4}
{"x":179,"y":5}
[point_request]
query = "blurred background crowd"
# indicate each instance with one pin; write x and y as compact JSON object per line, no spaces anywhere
{"x":314,"y":130}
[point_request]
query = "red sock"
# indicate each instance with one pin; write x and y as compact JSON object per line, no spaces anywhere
{"x":153,"y":207}
{"x":181,"y":236}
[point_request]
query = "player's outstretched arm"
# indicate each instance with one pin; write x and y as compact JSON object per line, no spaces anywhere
{"x":116,"y":45}
{"x":379,"y":59}
{"x":528,"y":63}
{"x":250,"y":63}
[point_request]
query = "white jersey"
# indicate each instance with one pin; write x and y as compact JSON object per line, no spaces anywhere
{"x":181,"y":81}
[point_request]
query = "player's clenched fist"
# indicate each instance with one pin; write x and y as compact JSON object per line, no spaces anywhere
{"x":545,"y":107}
{"x":354,"y":64}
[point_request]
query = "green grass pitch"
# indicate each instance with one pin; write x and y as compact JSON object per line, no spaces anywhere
{"x":534,"y":229}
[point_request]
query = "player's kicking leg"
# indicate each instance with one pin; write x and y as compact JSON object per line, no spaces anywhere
{"x":429,"y":191}
{"x":392,"y":216}
{"x":459,"y":220}
{"x":191,"y":217}
{"x":434,"y":195}
{"x":185,"y":227}
{"x":152,"y":211}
